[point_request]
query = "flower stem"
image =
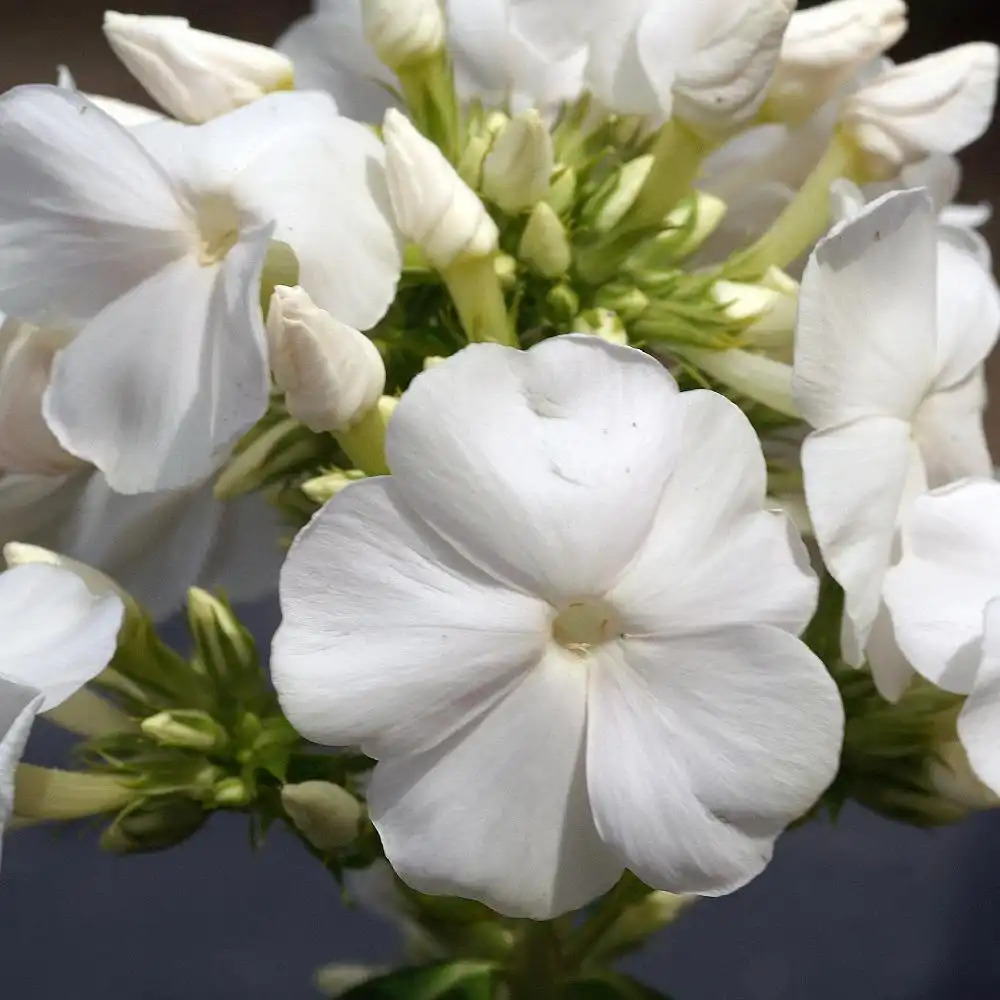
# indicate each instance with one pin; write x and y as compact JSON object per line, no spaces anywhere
{"x":429,"y":91}
{"x":475,"y":289}
{"x":365,"y":443}
{"x":88,"y":714}
{"x":677,"y":158}
{"x":804,"y":220}
{"x":755,"y":376}
{"x":579,"y":948}
{"x":536,"y":969}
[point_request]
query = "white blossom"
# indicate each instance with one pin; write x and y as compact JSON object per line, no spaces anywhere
{"x":331,"y":374}
{"x":938,"y":104}
{"x":894,"y":324}
{"x":403,"y":32}
{"x":493,"y":62}
{"x":540,"y":626}
{"x":153,"y":251}
{"x":825,"y":46}
{"x":57,"y":635}
{"x":194,"y":75}
{"x":944,"y":597}
{"x":434,"y":207}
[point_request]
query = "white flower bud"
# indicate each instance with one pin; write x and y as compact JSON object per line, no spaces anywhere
{"x":126,"y":114}
{"x":403,"y":32}
{"x":769,"y":312}
{"x":331,"y":374}
{"x":434,"y":207}
{"x":518,"y":170}
{"x":327,"y":815}
{"x":825,"y":46}
{"x":938,"y":104}
{"x":26,"y":443}
{"x":545,"y":244}
{"x":194,"y":75}
{"x":616,"y":196}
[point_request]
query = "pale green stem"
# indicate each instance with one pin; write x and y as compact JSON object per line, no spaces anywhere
{"x":752,"y":375}
{"x":88,"y":714}
{"x":364,"y":443}
{"x":428,"y":88}
{"x":478,"y":296}
{"x":41,"y":793}
{"x":804,"y":220}
{"x":677,"y":158}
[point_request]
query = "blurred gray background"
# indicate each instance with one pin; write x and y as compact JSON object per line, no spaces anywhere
{"x":864,"y":909}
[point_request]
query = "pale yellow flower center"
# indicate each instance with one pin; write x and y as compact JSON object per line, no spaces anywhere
{"x":582,"y":625}
{"x":218,"y":227}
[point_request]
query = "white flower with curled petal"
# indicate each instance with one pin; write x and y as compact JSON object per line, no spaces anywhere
{"x":894,"y":325}
{"x":156,"y":545}
{"x":541,"y":626}
{"x":57,"y":635}
{"x":493,"y":62}
{"x":194,"y":75}
{"x":825,"y":46}
{"x":944,"y":598}
{"x":938,"y":104}
{"x":151,"y":242}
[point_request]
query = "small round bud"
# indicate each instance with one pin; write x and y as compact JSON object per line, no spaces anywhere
{"x":327,"y":815}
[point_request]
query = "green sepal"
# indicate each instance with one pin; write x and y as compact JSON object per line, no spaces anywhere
{"x":448,"y":981}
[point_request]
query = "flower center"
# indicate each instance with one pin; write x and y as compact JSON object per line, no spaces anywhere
{"x":218,"y":220}
{"x":582,"y":625}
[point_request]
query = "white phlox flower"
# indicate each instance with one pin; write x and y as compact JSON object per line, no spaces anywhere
{"x":944,"y":597}
{"x":566,"y":627}
{"x":895,"y":321}
{"x":57,"y":635}
{"x":194,"y":75}
{"x":156,"y":545}
{"x":150,"y":242}
{"x":493,"y":62}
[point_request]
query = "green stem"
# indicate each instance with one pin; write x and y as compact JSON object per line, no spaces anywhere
{"x":428,"y":88}
{"x":89,"y":715}
{"x":580,"y":946}
{"x":475,"y":289}
{"x":755,"y":376}
{"x":364,"y":443}
{"x":536,"y":969}
{"x":41,"y":793}
{"x":677,"y":158}
{"x":804,"y":220}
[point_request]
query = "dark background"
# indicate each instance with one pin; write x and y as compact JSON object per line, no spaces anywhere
{"x":866,"y":909}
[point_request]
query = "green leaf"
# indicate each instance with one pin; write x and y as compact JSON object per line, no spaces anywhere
{"x":609,"y":986}
{"x":450,"y":981}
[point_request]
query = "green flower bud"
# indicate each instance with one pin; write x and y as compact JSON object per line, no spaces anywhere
{"x":232,"y":793}
{"x":616,"y":195}
{"x":627,"y":301}
{"x":323,"y":488}
{"x":157,"y":824}
{"x":603,"y":323}
{"x":563,"y":304}
{"x":327,"y":815}
{"x":224,"y":647}
{"x":518,"y":169}
{"x":545,"y":245}
{"x":562,"y":190}
{"x":186,"y":729}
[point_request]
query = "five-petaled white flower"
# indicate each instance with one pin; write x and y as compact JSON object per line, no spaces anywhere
{"x":944,"y":597}
{"x":151,"y":243}
{"x":567,"y":628}
{"x":895,"y":321}
{"x":57,"y":635}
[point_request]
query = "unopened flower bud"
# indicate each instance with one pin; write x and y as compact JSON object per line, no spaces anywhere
{"x":505,"y":267}
{"x":626,"y":300}
{"x":545,"y":243}
{"x":222,"y":643}
{"x":768,"y":314}
{"x":938,"y":104}
{"x":617,"y":194}
{"x":324,"y":488}
{"x":603,"y":323}
{"x":434,"y":207}
{"x":518,"y":169}
{"x":194,"y":75}
{"x":187,"y":729}
{"x":158,"y":823}
{"x":562,"y":190}
{"x":825,"y":46}
{"x":332,"y":375}
{"x":327,"y":815}
{"x":563,"y":303}
{"x":403,"y":32}
{"x":232,"y":793}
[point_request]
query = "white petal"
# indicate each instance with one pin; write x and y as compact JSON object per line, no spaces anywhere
{"x":18,"y":707}
{"x":85,"y":214}
{"x":57,"y":635}
{"x":949,"y":432}
{"x":615,"y":73}
{"x":712,"y":535}
{"x":499,"y":811}
{"x":866,"y":338}
{"x":331,"y":53}
{"x":329,"y":201}
{"x":938,"y":104}
{"x":949,"y":572}
{"x":545,"y":466}
{"x":556,"y":28}
{"x":855,"y":483}
{"x":968,"y":313}
{"x":168,"y":377}
{"x":890,"y":669}
{"x":389,"y":638}
{"x":979,"y":720}
{"x":702,"y":749}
